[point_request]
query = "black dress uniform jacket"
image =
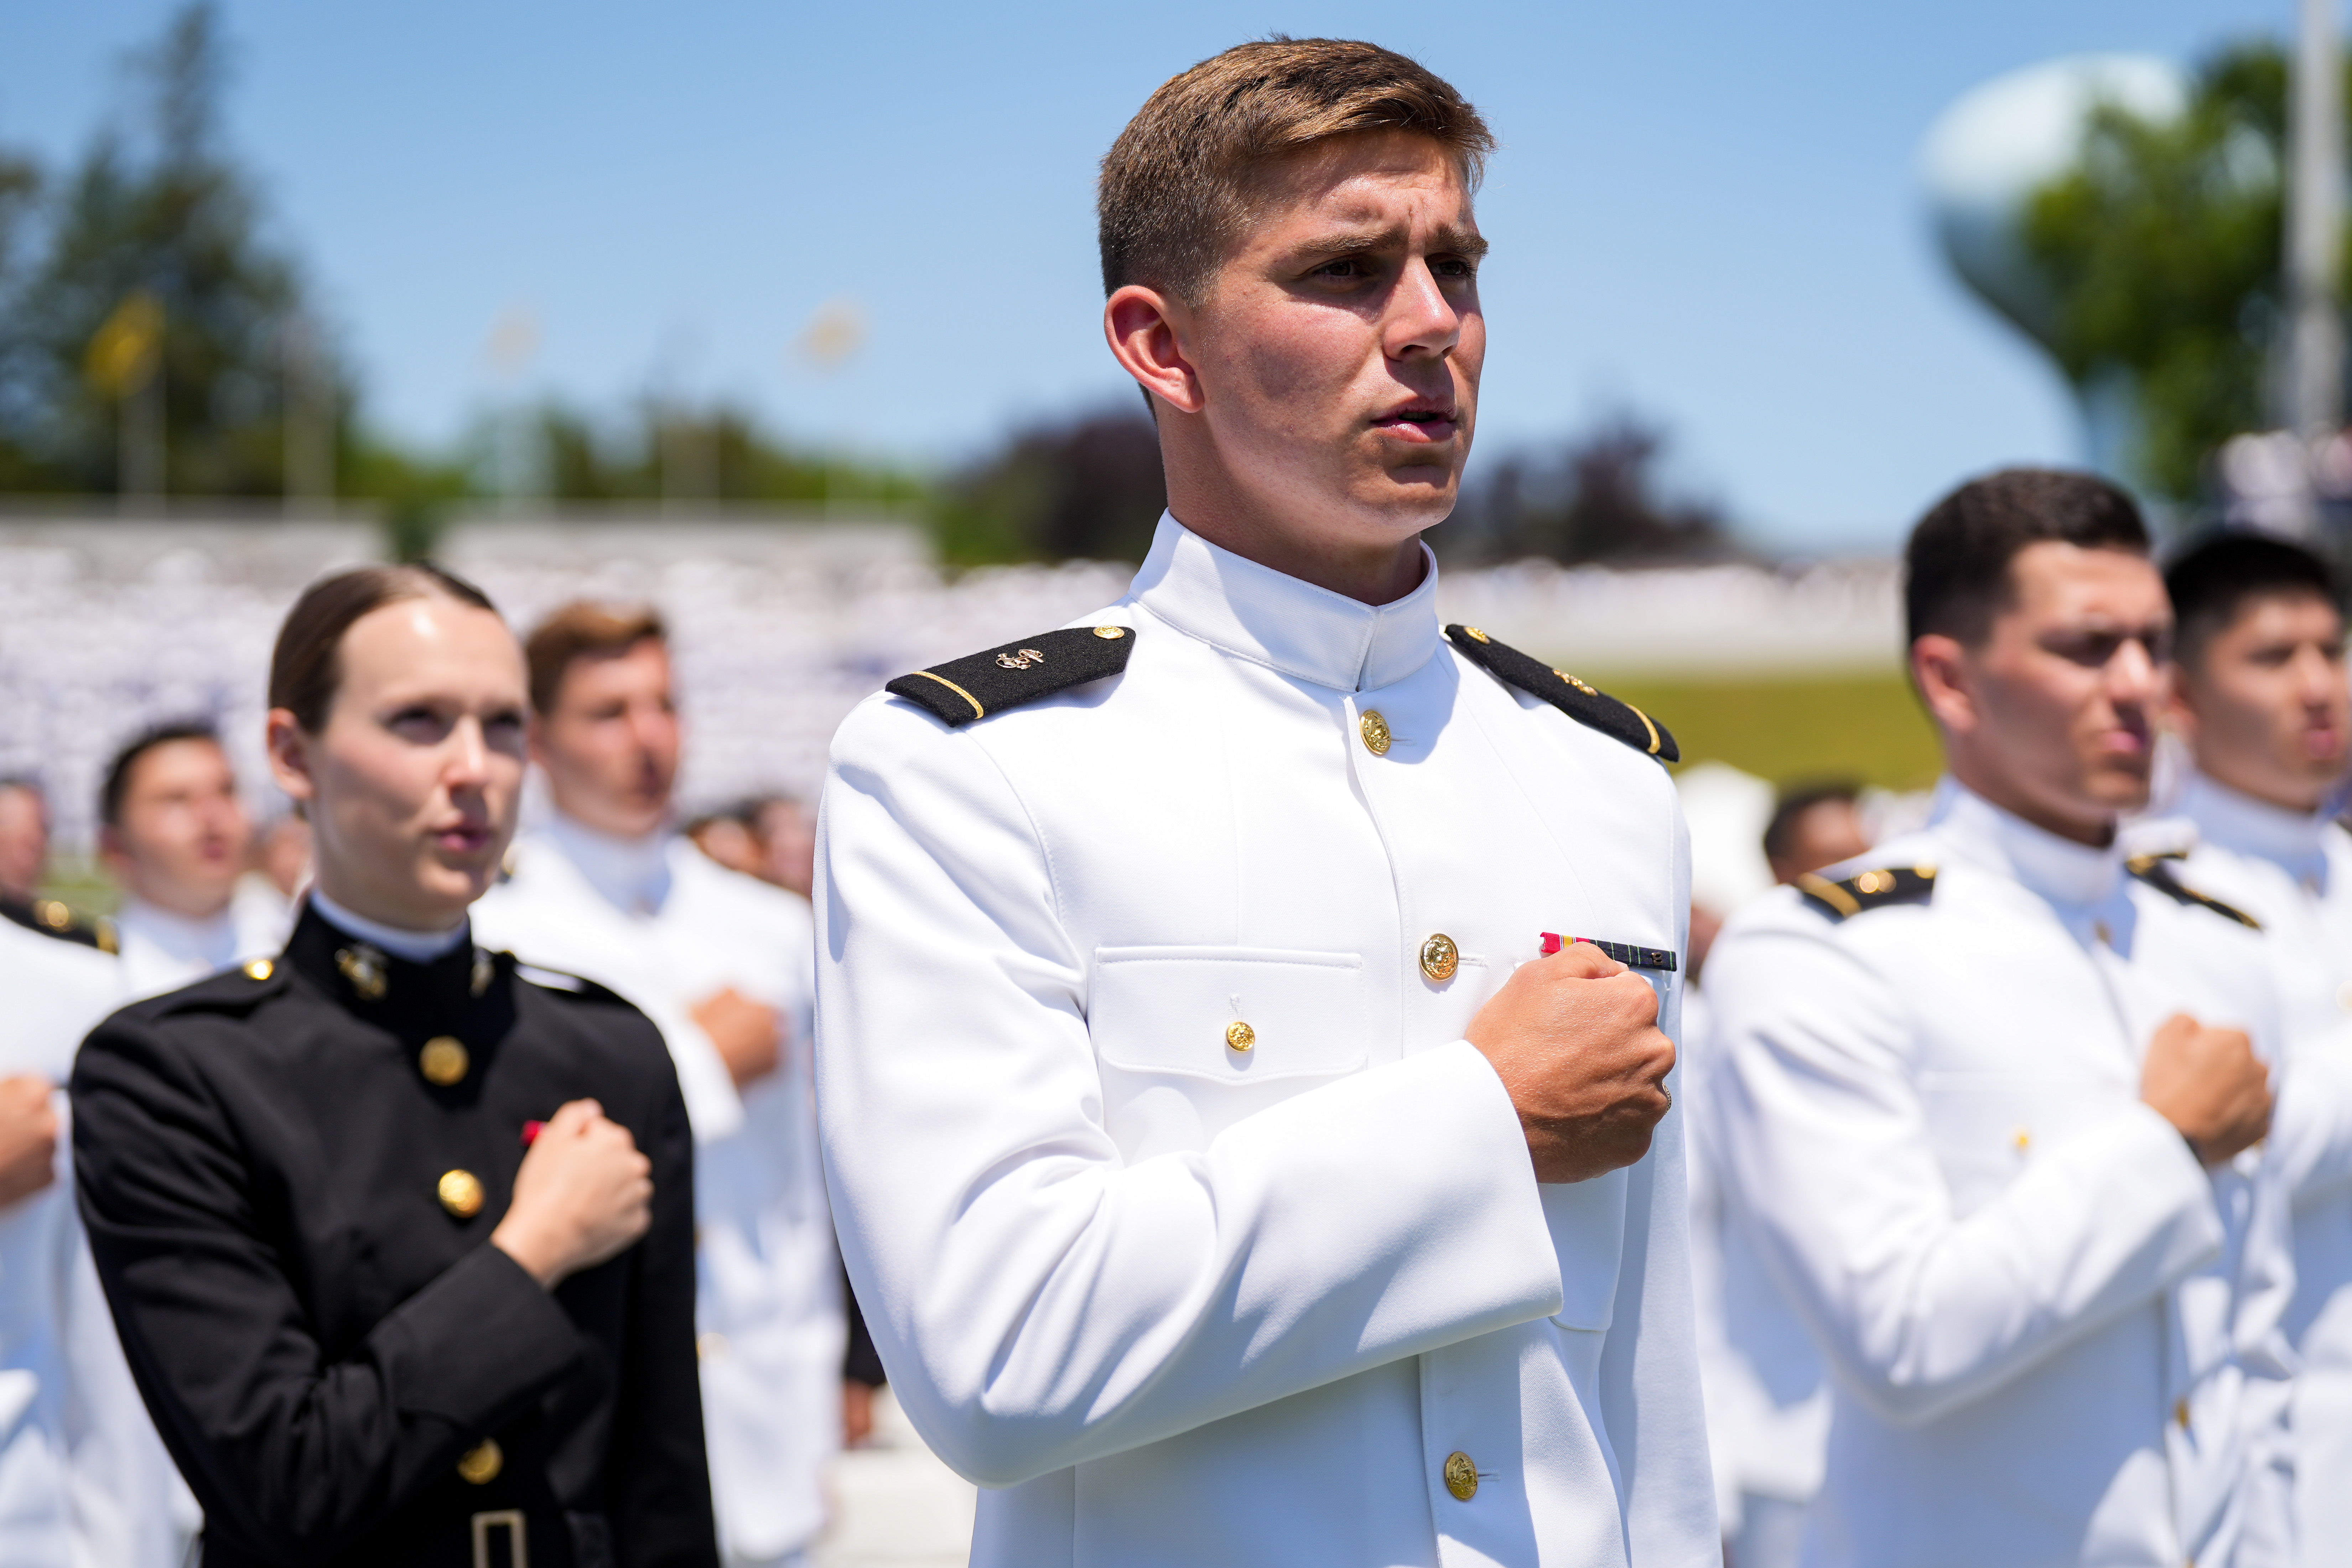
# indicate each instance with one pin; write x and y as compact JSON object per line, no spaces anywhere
{"x":345,"y":1369}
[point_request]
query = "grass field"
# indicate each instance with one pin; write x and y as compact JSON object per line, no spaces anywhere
{"x":1787,"y":727}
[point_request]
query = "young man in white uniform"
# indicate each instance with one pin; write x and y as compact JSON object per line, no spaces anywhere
{"x":1226,"y":1173}
{"x":1990,"y":1098}
{"x":721,"y":962}
{"x":83,"y":1479}
{"x":2261,"y":695}
{"x":176,"y":838}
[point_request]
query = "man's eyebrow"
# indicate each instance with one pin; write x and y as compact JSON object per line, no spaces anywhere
{"x":1447,"y":241}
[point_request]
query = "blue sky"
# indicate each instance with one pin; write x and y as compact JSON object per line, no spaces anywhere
{"x":1708,"y":213}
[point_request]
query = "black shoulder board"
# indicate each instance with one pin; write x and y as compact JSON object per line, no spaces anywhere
{"x":1868,"y":890}
{"x":1618,"y":721}
{"x":2152,"y":869}
{"x":51,"y":918}
{"x":963,"y":690}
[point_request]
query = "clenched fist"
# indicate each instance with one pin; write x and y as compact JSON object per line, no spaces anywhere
{"x":2209,"y":1084}
{"x":1575,"y":1040}
{"x":584,"y":1195}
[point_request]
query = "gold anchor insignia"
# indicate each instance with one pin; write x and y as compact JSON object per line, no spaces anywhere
{"x":483,"y":972}
{"x":1021,"y":660}
{"x":363,"y":967}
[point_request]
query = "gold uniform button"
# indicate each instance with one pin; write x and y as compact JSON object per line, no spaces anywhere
{"x":1375,"y":731}
{"x":2022,"y":1138}
{"x":2180,"y":1413}
{"x":480,"y":1464}
{"x":1474,"y":635}
{"x":1110,"y":634}
{"x":1440,"y":958}
{"x":1239,"y":1036}
{"x":1461,"y":1476}
{"x":444,"y":1061}
{"x":461,"y":1193}
{"x":260,"y":969}
{"x":2107,"y":937}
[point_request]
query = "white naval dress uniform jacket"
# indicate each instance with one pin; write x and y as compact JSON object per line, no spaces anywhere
{"x":2052,"y":1334}
{"x":660,"y":923}
{"x":83,"y":1477}
{"x":1173,"y":1303}
{"x":2293,"y":871}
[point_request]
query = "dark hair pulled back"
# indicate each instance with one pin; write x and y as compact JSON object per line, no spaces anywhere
{"x":305,"y":667}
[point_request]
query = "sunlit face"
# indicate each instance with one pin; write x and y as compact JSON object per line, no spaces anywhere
{"x":2052,"y":715}
{"x":183,"y":835}
{"x":413,"y":782}
{"x":610,"y":743}
{"x":1331,"y":364}
{"x":2266,"y":706}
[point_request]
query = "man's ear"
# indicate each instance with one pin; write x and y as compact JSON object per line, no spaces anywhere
{"x":1147,"y":330}
{"x":1939,"y":669}
{"x":2179,"y":714}
{"x":289,"y":755}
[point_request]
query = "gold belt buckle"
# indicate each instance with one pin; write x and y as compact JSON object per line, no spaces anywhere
{"x":518,"y":1554}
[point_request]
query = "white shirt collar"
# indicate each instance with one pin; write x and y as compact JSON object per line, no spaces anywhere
{"x":1255,"y":613}
{"x":2234,"y":820}
{"x":2058,"y":869}
{"x":631,"y":874}
{"x":211,"y":941}
{"x":415,"y":946}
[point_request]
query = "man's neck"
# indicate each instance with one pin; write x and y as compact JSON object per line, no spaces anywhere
{"x":2094,"y":827}
{"x":1375,"y":574}
{"x":2304,"y":803}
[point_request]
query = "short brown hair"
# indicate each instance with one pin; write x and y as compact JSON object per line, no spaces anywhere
{"x":1956,"y":574}
{"x":1174,"y":189}
{"x":584,"y":629}
{"x":305,"y":667}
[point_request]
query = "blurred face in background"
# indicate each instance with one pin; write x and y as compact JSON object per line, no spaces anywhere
{"x":610,"y":741}
{"x":412,"y":784}
{"x":284,"y":855}
{"x":2264,"y":701}
{"x":788,"y":845}
{"x":24,"y":841}
{"x":2052,"y":715}
{"x":182,"y":836}
{"x":1824,"y":833}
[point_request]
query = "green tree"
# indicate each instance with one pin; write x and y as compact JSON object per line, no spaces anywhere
{"x":158,"y":205}
{"x":2163,"y":249}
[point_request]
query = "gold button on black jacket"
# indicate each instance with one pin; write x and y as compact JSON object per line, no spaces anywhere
{"x":322,"y":1335}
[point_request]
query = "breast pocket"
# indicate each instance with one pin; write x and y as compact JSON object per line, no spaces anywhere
{"x":1238,"y":1015}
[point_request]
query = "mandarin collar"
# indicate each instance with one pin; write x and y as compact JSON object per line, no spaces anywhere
{"x":356,"y":971}
{"x":633,"y":875}
{"x":2296,"y":840}
{"x":2058,"y":869}
{"x":1255,"y":613}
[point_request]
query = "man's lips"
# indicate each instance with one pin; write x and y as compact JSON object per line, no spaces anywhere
{"x":1418,"y":422}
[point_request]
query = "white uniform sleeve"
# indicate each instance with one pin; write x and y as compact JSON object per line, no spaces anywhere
{"x":1039,"y":1301}
{"x":1920,"y":1308}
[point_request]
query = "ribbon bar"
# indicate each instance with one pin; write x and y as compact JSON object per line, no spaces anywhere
{"x":1625,"y":953}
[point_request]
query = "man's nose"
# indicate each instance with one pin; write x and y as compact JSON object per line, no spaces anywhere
{"x":1421,"y":316}
{"x":2132,"y":672}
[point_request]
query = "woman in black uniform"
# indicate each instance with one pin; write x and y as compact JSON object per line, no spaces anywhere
{"x":399,"y":1239}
